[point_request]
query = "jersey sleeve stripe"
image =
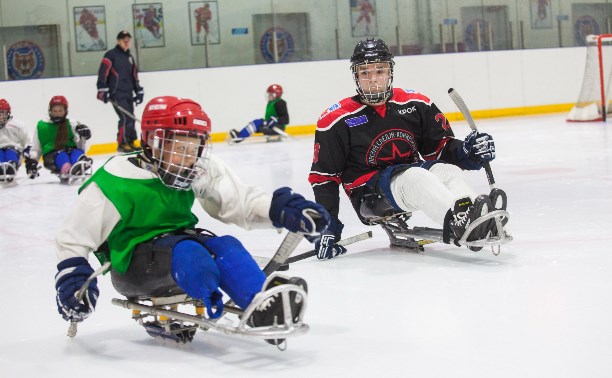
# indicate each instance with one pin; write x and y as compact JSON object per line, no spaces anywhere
{"x":436,"y":154}
{"x":317,"y":178}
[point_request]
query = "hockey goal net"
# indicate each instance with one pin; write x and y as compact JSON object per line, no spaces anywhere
{"x":595,"y":101}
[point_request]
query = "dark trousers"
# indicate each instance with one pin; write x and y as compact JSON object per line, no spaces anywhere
{"x":126,"y":126}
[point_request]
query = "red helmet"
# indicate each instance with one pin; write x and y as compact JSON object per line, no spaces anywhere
{"x":5,"y":112}
{"x":171,"y":121}
{"x":58,"y":100}
{"x":274,"y":91}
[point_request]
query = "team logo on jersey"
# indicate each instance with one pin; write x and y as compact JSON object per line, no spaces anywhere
{"x":329,"y":110}
{"x":395,"y":146}
{"x":356,"y":121}
{"x":25,"y":60}
{"x":284,"y":45}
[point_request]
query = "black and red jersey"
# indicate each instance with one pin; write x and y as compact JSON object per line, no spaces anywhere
{"x":354,"y":141}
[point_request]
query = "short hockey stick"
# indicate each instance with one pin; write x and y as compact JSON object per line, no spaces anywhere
{"x":454,"y":95}
{"x":281,"y":132}
{"x":124,"y":111}
{"x":72,"y":330}
{"x":343,"y":242}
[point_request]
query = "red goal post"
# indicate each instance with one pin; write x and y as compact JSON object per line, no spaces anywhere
{"x":594,"y":101}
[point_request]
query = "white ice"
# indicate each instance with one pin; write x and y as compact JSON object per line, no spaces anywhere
{"x":542,"y":308}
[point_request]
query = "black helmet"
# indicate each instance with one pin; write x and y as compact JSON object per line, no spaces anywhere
{"x":372,"y":51}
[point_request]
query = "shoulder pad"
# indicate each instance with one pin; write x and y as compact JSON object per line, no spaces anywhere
{"x":336,"y":112}
{"x":402,"y":96}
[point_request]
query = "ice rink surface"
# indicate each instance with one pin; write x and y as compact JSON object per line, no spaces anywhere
{"x":542,"y":308}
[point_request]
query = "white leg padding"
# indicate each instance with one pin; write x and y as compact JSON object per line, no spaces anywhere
{"x":434,"y":192}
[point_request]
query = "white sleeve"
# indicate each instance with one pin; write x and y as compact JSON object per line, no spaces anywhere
{"x":226,"y":198}
{"x":87,"y":225}
{"x":36,"y":150}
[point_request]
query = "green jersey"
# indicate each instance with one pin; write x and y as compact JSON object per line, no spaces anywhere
{"x":147,"y":207}
{"x":47,"y":132}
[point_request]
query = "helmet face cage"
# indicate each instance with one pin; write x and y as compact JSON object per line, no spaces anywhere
{"x":58,"y":100}
{"x":180,"y":156}
{"x":5,"y":112}
{"x":374,"y":80}
{"x":274,"y":91}
{"x":373,"y":63}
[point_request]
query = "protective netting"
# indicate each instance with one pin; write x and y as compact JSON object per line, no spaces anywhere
{"x":589,"y":104}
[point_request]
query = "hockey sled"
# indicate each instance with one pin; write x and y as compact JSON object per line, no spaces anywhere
{"x":7,"y":173}
{"x":79,"y":172}
{"x":414,"y":239}
{"x":255,"y":138}
{"x":162,"y":318}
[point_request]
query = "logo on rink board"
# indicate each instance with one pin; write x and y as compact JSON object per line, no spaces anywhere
{"x":25,"y":60}
{"x":284,"y":45}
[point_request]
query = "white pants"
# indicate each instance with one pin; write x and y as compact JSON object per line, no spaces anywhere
{"x":432,"y":191}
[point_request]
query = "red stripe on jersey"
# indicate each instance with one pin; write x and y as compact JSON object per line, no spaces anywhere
{"x":329,"y":117}
{"x":317,"y":178}
{"x":108,"y":65}
{"x":402,"y":96}
{"x":361,"y":180}
{"x":436,"y":155}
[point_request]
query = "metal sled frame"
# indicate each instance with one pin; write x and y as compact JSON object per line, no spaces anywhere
{"x":255,"y":138}
{"x":7,"y":178}
{"x":71,"y":179}
{"x":415,"y":238}
{"x":164,"y":307}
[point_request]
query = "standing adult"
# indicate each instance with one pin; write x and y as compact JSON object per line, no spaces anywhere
{"x":118,"y":83}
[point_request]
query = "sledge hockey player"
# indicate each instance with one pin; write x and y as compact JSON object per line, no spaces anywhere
{"x":393,"y":151}
{"x":61,"y":142}
{"x":14,"y":143}
{"x":137,"y":208}
{"x":272,"y":124}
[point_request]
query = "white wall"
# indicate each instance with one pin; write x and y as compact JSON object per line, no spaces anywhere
{"x":232,"y":96}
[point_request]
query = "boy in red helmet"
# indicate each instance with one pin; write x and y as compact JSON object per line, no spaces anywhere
{"x":61,"y":142}
{"x":274,"y":121}
{"x":14,"y":143}
{"x":137,"y":209}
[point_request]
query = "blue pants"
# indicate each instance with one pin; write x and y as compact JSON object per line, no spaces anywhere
{"x":9,"y":154}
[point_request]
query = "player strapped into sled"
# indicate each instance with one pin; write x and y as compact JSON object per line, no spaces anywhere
{"x":274,"y":314}
{"x":273,"y":134}
{"x":375,"y":209}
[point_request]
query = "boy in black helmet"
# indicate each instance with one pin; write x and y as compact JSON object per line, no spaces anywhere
{"x":397,"y":145}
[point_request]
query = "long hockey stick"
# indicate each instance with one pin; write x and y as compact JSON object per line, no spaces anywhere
{"x":72,"y":330}
{"x":343,"y":242}
{"x":124,"y":111}
{"x":454,"y":95}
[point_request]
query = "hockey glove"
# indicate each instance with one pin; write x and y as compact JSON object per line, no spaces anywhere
{"x":83,"y":131}
{"x":327,"y":247}
{"x":31,"y":166}
{"x":139,"y":96}
{"x":476,"y":150}
{"x":270,"y":123}
{"x":291,"y":211}
{"x":72,"y":274}
{"x":103,"y":95}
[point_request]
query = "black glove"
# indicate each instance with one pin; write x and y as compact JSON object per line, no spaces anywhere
{"x":83,"y":131}
{"x":293,"y":212}
{"x":476,"y":150}
{"x":103,"y":95}
{"x":326,"y":247}
{"x":139,"y":96}
{"x":31,"y":166}
{"x":71,"y":275}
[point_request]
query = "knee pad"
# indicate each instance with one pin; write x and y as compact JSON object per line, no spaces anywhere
{"x":241,"y":277}
{"x":195,"y":271}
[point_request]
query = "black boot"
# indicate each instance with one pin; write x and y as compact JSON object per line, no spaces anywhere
{"x":234,"y":135}
{"x":465,"y":212}
{"x":271,"y":311}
